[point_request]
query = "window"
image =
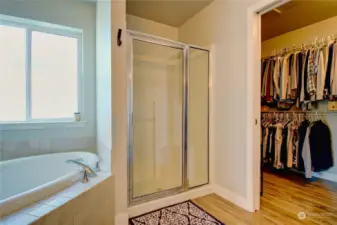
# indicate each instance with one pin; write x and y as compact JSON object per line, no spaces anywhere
{"x":40,"y":68}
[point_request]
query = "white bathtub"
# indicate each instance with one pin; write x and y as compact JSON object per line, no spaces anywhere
{"x":27,"y":180}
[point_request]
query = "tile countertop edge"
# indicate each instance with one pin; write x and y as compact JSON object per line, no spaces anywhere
{"x":41,"y":208}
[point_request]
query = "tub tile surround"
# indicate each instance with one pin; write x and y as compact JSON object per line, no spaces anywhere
{"x":73,"y":205}
{"x":12,"y":149}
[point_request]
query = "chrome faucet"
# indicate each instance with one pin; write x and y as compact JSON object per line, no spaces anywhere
{"x":87,"y":170}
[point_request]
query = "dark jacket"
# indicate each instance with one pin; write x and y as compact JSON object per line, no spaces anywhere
{"x":320,"y":147}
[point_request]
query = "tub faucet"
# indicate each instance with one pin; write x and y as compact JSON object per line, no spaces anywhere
{"x":87,"y":170}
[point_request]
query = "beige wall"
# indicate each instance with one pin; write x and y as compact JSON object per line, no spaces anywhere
{"x":150,"y":27}
{"x":119,"y":113}
{"x":307,"y":35}
{"x":95,"y":206}
{"x":223,"y":23}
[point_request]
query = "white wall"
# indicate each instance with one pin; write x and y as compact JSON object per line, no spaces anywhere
{"x":223,"y":23}
{"x":103,"y":83}
{"x":150,"y":27}
{"x":307,"y":35}
{"x":77,"y":14}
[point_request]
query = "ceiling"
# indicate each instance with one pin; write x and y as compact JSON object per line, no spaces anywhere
{"x":296,"y":14}
{"x":170,"y":12}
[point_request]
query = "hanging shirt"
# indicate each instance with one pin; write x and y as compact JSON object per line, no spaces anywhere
{"x":264,"y":142}
{"x":291,"y":129}
{"x":333,"y":77}
{"x":312,"y":73}
{"x":321,"y":73}
{"x":300,"y":57}
{"x":269,"y":85}
{"x":264,"y":80}
{"x":284,"y":78}
{"x":304,"y":77}
{"x":302,"y":130}
{"x":295,"y":147}
{"x":276,"y":77}
{"x":278,"y":144}
{"x":293,"y":77}
{"x":306,"y":155}
{"x":327,"y":85}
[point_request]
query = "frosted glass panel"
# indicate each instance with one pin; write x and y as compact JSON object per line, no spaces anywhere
{"x":197,"y":122}
{"x":54,"y":76}
{"x":157,"y":116}
{"x":12,"y":73}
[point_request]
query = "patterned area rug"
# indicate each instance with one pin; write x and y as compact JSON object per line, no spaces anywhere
{"x":185,"y":213}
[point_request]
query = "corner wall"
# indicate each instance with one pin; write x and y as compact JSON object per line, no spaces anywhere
{"x":151,"y":27}
{"x":224,"y":24}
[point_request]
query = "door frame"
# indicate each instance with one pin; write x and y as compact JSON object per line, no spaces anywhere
{"x":253,"y":110}
{"x":135,"y":35}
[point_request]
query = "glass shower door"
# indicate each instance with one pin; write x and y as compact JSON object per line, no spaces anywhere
{"x":157,"y":118}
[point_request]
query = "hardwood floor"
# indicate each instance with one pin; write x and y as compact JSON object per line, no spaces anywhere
{"x":284,"y":197}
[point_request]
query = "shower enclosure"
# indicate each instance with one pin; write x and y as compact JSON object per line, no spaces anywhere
{"x":168,"y":111}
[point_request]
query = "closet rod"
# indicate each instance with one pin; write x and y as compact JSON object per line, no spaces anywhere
{"x":317,"y":42}
{"x":303,"y":112}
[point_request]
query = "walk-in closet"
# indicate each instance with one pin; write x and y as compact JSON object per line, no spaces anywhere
{"x":298,"y":134}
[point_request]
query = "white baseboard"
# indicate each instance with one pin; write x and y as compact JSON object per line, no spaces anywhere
{"x":232,"y":197}
{"x":174,"y":199}
{"x":326,"y":176}
{"x":122,"y":219}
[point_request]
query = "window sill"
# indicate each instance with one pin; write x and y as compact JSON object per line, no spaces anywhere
{"x":41,"y":125}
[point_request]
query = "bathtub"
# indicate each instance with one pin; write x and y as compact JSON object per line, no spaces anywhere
{"x":27,"y":180}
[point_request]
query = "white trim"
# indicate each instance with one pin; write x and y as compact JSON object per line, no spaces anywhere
{"x":40,"y":26}
{"x":160,"y":40}
{"x":232,"y":197}
{"x":42,"y":125}
{"x":170,"y":200}
{"x":211,"y":121}
{"x":326,"y":176}
{"x":122,"y":219}
{"x":28,"y":74}
{"x":253,"y":41}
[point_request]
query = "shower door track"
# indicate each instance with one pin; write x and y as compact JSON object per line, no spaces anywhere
{"x":134,"y":35}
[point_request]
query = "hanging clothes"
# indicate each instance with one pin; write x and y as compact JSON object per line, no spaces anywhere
{"x":305,"y":146}
{"x":301,"y":77}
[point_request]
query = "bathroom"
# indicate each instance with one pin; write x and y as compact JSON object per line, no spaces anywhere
{"x":56,"y":126}
{"x":145,"y":107}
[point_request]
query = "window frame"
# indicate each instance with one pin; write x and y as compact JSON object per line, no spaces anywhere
{"x":31,"y":26}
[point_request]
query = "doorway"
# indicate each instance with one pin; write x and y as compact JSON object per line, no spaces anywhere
{"x":167,"y":144}
{"x":284,"y":176}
